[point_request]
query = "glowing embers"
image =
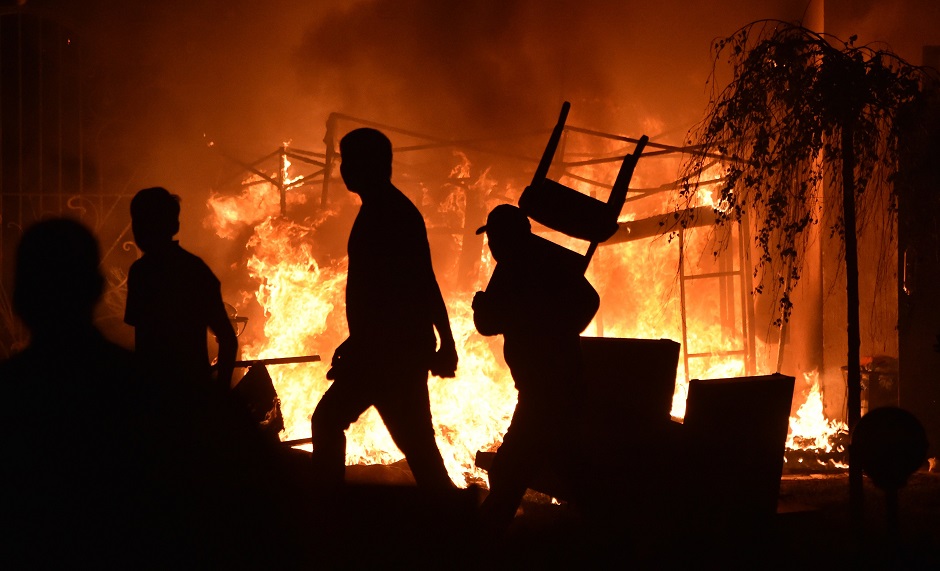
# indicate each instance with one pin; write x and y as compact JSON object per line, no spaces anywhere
{"x":814,"y":442}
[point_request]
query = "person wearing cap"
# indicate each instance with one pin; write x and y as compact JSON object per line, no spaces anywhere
{"x":540,"y":305}
{"x":393,"y":307}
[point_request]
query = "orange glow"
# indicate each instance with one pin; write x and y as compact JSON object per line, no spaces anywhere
{"x":809,"y":428}
{"x":304,"y":314}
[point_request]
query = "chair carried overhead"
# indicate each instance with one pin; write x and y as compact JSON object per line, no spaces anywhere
{"x":574,"y":213}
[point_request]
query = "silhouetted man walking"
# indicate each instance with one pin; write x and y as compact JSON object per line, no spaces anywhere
{"x":173,"y":298}
{"x":540,"y":306}
{"x":393,"y":306}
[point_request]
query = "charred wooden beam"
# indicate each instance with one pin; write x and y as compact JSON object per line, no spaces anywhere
{"x":278,"y":361}
{"x":697,"y":217}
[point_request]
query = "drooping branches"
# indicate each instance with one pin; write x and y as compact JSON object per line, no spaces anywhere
{"x":799,"y":104}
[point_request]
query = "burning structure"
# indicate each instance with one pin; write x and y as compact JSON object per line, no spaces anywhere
{"x":280,"y":237}
{"x":279,"y":217}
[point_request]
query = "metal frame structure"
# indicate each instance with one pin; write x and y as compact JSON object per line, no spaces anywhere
{"x":733,"y":272}
{"x":726,"y":275}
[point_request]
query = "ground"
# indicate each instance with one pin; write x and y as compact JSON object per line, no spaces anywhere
{"x":812,"y":530}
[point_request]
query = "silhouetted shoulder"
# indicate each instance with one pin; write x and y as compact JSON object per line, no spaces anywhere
{"x":394,"y":216}
{"x":174,"y":258}
{"x":167,"y":284}
{"x":73,"y":434}
{"x":89,"y":372}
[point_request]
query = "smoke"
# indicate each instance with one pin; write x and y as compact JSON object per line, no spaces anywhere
{"x":165,"y":77}
{"x":903,"y":27}
{"x":480,"y":67}
{"x":252,"y":75}
{"x":453,"y":68}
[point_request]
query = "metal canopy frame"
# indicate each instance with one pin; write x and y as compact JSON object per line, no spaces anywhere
{"x":732,"y":276}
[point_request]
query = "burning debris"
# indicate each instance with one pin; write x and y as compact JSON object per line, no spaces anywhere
{"x":815,"y":443}
{"x":299,"y":288}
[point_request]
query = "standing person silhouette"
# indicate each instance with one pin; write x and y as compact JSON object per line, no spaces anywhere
{"x":173,"y":298}
{"x":393,"y":306}
{"x":218,"y":471}
{"x":540,"y":306}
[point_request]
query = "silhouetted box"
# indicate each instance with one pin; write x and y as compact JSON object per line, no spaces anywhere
{"x":630,"y":383}
{"x":628,"y":440}
{"x":735,"y":433}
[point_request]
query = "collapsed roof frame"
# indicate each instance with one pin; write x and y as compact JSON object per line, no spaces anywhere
{"x":324,"y":164}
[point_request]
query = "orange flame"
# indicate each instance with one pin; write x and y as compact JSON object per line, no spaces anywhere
{"x":810,"y":429}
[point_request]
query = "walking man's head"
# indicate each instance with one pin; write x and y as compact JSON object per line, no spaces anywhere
{"x":155,"y":217}
{"x":366,"y":159}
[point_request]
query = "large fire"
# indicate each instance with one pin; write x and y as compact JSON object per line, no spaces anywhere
{"x":304,"y":314}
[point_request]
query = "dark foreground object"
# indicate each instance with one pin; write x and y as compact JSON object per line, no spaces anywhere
{"x":811,"y":530}
{"x":718,"y":473}
{"x":365,"y":525}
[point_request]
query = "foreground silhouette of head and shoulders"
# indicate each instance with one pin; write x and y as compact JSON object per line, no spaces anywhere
{"x":73,"y":486}
{"x":69,"y":371}
{"x":99,"y":471}
{"x":393,"y":307}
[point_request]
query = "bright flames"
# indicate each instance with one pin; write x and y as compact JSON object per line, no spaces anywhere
{"x":810,"y":429}
{"x":304,"y":314}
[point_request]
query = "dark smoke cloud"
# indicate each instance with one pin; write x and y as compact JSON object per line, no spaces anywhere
{"x":482,"y":66}
{"x":251,"y":75}
{"x":451,"y":67}
{"x":458,"y":68}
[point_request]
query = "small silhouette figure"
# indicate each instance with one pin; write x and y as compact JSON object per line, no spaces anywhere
{"x":72,"y":484}
{"x":173,"y":298}
{"x":393,"y":306}
{"x":540,"y":306}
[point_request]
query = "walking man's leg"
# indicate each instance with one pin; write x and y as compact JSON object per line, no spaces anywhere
{"x":340,"y":406}
{"x":406,"y":412}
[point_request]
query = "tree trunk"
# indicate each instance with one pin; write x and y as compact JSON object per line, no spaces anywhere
{"x":854,"y":376}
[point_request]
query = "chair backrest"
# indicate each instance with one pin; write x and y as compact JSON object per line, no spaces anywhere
{"x":574,"y":213}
